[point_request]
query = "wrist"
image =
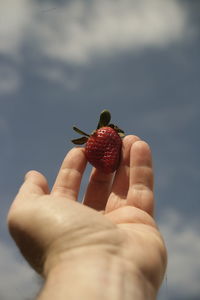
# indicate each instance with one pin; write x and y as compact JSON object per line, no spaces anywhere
{"x":95,"y":275}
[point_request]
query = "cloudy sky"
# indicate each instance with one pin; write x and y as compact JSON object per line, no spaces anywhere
{"x":63,"y":62}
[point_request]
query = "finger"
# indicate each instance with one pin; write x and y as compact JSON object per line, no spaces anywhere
{"x":98,"y":189}
{"x":35,"y":184}
{"x":121,"y":181}
{"x":69,"y":177}
{"x":140,"y":192}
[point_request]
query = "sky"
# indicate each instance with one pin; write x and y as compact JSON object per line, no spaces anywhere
{"x":61,"y":64}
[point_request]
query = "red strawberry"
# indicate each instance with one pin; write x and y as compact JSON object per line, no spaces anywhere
{"x":103,"y":149}
{"x":103,"y":146}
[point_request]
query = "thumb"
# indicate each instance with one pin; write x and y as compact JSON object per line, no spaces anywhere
{"x":35,"y":183}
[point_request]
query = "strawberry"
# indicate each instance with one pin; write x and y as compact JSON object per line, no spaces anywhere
{"x":103,"y":146}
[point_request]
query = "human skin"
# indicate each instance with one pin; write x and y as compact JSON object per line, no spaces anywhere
{"x":109,"y":246}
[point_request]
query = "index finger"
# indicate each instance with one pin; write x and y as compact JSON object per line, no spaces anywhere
{"x":69,"y":177}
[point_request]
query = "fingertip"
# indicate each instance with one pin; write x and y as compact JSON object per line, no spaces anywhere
{"x":141,"y":144}
{"x":141,"y":152}
{"x":77,"y":149}
{"x":75,"y":157}
{"x":70,"y":174}
{"x":38,"y":179}
{"x":75,"y":152}
{"x":31,"y":174}
{"x":130,"y":139}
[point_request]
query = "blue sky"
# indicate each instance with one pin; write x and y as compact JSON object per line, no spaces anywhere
{"x":62,"y":63}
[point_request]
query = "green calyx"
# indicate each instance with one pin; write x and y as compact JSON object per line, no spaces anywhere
{"x":82,"y":140}
{"x":104,"y":120}
{"x":119,"y":131}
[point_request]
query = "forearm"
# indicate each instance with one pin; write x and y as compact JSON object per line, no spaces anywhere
{"x":96,"y":277}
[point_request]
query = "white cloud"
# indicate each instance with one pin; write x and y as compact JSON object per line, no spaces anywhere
{"x":103,"y":27}
{"x":17,"y":279}
{"x":14,"y":18}
{"x":81,"y":29}
{"x":183,"y":244}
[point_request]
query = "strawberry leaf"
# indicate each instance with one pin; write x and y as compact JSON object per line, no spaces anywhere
{"x":105,"y":118}
{"x":80,"y":131}
{"x":80,"y":141}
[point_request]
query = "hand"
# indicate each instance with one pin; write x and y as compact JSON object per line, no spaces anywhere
{"x":116,"y":217}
